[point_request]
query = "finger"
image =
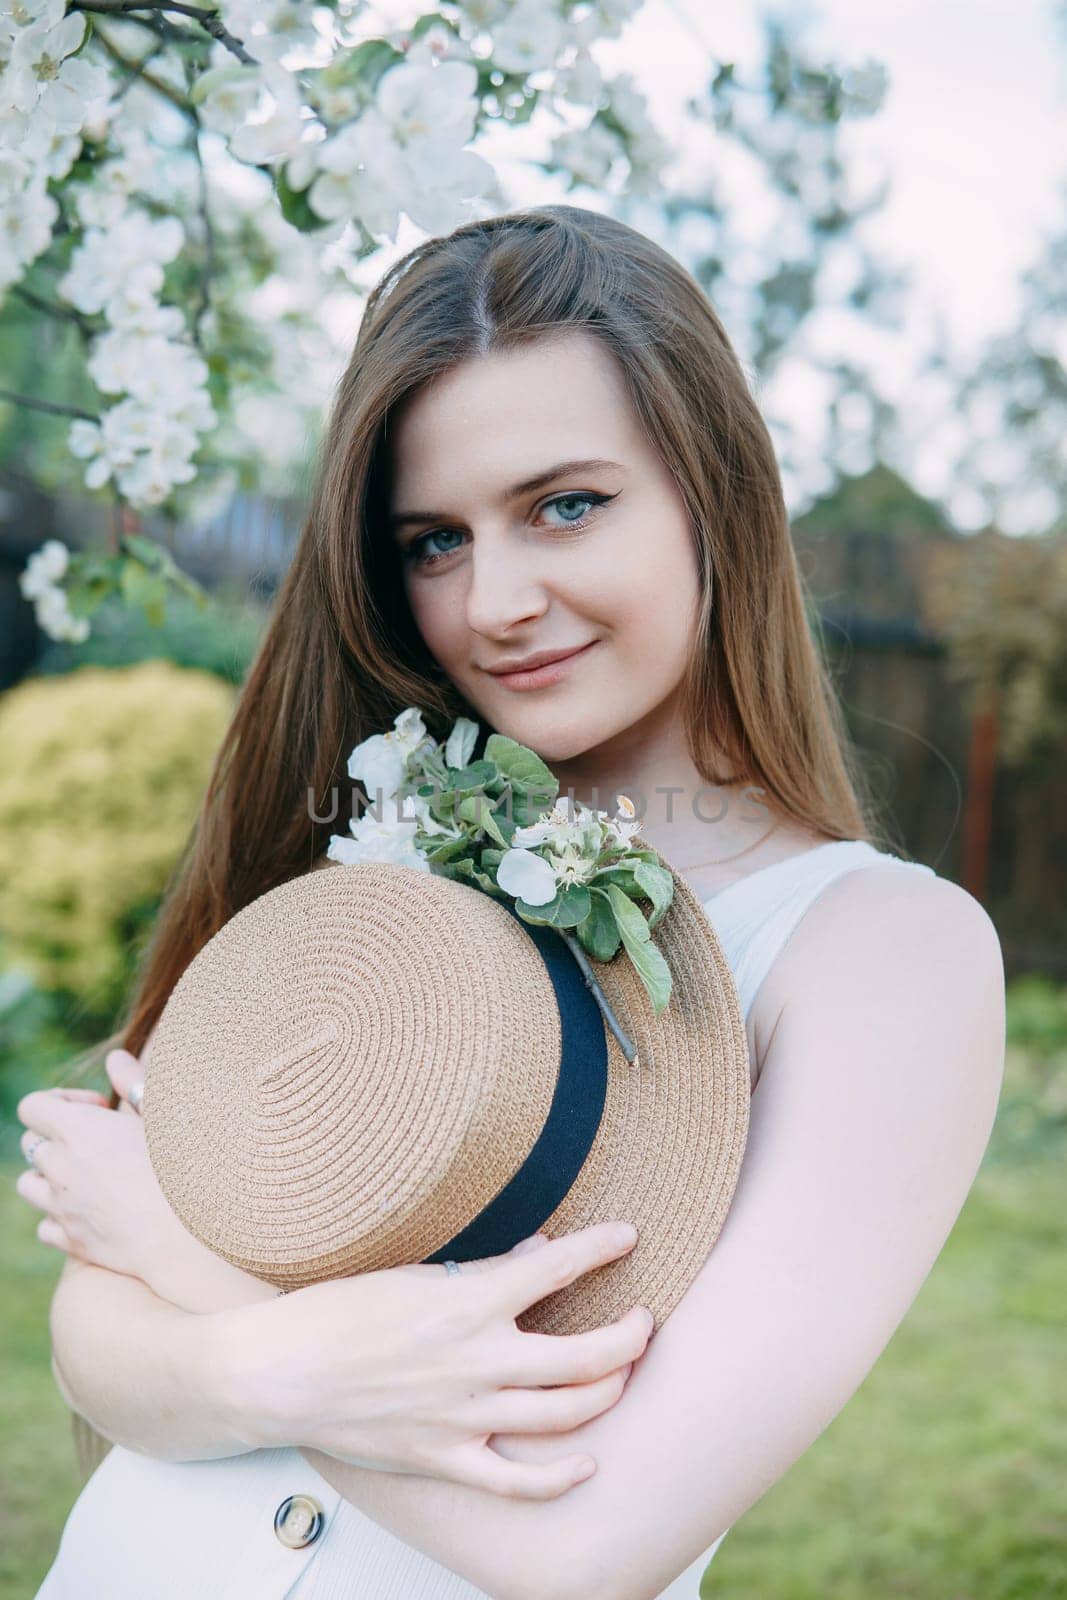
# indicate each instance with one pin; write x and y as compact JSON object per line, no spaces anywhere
{"x":548,"y":1410}
{"x":126,"y":1075}
{"x":50,"y":1232}
{"x":89,"y":1097}
{"x":48,"y":1111}
{"x":520,"y":1280}
{"x":35,"y":1189}
{"x":550,"y":1359}
{"x":483,"y":1468}
{"x":39,"y":1154}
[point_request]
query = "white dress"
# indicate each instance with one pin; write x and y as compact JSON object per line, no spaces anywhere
{"x":143,"y":1529}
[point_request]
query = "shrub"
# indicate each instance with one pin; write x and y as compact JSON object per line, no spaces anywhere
{"x":102,"y":775}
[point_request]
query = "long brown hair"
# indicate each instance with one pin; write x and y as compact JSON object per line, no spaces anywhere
{"x":341,"y":656}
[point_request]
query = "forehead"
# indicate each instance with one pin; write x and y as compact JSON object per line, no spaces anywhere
{"x":508,"y":413}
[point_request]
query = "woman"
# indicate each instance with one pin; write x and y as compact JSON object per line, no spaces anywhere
{"x":543,"y":446}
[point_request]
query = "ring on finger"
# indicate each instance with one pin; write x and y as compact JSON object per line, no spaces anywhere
{"x":32,"y":1147}
{"x":135,"y":1095}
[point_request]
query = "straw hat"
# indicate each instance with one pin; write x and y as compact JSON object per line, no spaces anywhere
{"x":375,"y":1065}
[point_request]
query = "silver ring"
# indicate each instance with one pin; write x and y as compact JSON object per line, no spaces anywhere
{"x":452,"y":1269}
{"x":135,"y":1095}
{"x":32,"y":1148}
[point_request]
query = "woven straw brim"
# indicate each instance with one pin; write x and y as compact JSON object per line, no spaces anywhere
{"x":668,"y":1153}
{"x":359,"y":1061}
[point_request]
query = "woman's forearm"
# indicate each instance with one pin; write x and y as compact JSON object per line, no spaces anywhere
{"x":144,"y":1373}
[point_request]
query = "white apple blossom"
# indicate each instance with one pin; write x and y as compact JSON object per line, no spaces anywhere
{"x":271,"y":30}
{"x":405,"y":153}
{"x":605,"y":19}
{"x":527,"y":876}
{"x":482,"y":14}
{"x":226,"y":96}
{"x":43,"y":77}
{"x":380,"y":761}
{"x":104,"y":202}
{"x":55,"y":618}
{"x":436,"y":43}
{"x":461,"y":742}
{"x":44,"y":569}
{"x":423,"y":102}
{"x":28,"y":214}
{"x":389,"y":838}
{"x":530,"y":37}
{"x":107,"y":258}
{"x":647,"y":151}
{"x":582,"y":83}
{"x":588,"y":153}
{"x":279,"y":130}
{"x":40,"y":582}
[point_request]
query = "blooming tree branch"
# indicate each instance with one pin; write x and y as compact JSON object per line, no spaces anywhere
{"x":124,"y":132}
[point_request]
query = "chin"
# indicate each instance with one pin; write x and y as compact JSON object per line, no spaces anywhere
{"x":553,"y":735}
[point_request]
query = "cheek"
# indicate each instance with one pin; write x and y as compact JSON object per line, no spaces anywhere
{"x":438,"y":616}
{"x":652,"y":592}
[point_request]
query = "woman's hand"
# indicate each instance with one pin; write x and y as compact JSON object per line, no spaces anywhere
{"x":412,"y":1370}
{"x":91,"y":1177}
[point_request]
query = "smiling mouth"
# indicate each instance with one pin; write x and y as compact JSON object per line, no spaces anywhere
{"x":547,"y":672}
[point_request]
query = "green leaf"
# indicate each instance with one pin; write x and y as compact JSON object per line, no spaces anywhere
{"x":159,"y":560}
{"x":599,"y":933}
{"x":145,"y":589}
{"x":468,"y":872}
{"x":648,"y":961}
{"x":623,"y":877}
{"x":657,"y":885}
{"x":477,"y":809}
{"x":568,"y":909}
{"x":521,"y":767}
{"x":476,"y":776}
{"x":362,"y":66}
{"x":295,"y":205}
{"x":445,"y":849}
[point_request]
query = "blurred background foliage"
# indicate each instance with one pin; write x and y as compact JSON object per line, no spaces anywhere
{"x":103,"y":773}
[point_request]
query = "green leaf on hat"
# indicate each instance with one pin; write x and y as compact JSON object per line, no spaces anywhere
{"x":650,"y":965}
{"x":569,"y":907}
{"x":657,"y":885}
{"x":599,"y":933}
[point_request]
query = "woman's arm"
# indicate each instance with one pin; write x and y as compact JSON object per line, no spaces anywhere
{"x":875,"y":1103}
{"x":401,"y":1370}
{"x":144,"y":1373}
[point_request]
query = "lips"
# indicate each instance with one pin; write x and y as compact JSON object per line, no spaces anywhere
{"x":543,"y":658}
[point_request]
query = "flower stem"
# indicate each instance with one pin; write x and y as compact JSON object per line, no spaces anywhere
{"x":626,"y":1044}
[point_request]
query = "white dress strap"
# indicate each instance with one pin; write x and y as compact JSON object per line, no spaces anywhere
{"x":756,"y":916}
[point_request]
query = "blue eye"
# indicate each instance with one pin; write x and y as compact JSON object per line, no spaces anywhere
{"x":587,"y":498}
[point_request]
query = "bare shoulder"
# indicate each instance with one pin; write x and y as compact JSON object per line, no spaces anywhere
{"x":895,"y":956}
{"x":910,"y":922}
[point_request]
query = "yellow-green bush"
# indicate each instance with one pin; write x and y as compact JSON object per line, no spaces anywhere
{"x":101,"y":775}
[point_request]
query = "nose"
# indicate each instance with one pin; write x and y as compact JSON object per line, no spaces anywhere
{"x":504,"y":587}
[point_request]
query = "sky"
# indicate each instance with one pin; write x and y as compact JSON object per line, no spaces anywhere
{"x":973,"y":139}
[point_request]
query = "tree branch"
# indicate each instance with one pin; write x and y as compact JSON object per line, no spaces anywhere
{"x":137,"y":69}
{"x":51,"y":406}
{"x":210,"y":21}
{"x":52,"y":309}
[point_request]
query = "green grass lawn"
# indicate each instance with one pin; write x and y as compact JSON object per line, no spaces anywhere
{"x":943,"y":1479}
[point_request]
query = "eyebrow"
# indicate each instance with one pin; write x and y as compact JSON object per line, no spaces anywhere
{"x":562,"y":469}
